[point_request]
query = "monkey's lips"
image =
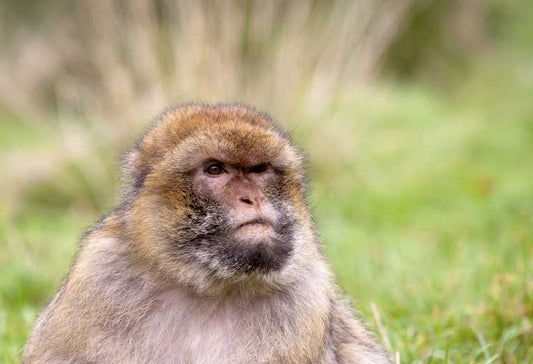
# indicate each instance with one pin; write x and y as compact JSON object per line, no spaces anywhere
{"x":257,"y":229}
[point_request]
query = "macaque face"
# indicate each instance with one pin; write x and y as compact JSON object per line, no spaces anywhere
{"x":243,"y":223}
{"x":241,"y":193}
{"x":226,"y":199}
{"x":222,"y":196}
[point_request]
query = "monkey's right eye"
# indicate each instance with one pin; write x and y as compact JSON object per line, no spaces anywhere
{"x":214,"y":169}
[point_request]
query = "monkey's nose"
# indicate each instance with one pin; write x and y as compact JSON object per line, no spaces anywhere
{"x":247,"y":201}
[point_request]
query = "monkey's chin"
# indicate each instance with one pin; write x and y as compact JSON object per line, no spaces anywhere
{"x":254,"y":232}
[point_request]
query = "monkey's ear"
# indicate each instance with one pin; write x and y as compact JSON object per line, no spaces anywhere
{"x":134,"y":172}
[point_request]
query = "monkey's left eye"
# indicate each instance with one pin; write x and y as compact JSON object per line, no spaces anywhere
{"x":214,"y":169}
{"x":260,"y":168}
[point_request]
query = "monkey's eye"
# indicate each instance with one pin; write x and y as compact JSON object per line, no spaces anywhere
{"x":215,"y":169}
{"x":260,"y":168}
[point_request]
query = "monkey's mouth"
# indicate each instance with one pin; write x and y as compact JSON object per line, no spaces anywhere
{"x":256,"y":221}
{"x":256,"y":229}
{"x":254,"y":243}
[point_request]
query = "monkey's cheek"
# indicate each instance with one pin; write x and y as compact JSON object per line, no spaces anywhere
{"x":254,"y":232}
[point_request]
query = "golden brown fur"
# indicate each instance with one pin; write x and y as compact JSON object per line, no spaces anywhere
{"x":138,"y":293}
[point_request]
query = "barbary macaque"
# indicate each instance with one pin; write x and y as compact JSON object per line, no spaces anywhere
{"x":210,"y":257}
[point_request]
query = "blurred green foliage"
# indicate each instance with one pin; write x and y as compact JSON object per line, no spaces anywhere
{"x":422,"y":189}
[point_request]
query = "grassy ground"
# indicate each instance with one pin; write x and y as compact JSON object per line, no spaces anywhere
{"x":424,"y":203}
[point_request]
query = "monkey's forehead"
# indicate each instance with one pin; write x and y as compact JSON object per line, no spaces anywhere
{"x":241,"y":146}
{"x":176,"y":124}
{"x":232,"y":133}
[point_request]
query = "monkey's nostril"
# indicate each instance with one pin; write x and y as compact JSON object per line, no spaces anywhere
{"x":246,"y":201}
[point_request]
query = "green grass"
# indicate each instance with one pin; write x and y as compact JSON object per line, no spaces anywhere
{"x":433,"y":221}
{"x":424,"y":203}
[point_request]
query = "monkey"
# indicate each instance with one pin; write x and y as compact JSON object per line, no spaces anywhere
{"x":211,"y":256}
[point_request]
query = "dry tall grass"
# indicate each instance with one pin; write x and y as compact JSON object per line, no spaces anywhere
{"x":126,"y":60}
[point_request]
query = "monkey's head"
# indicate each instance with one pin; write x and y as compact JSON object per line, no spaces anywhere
{"x":216,"y":195}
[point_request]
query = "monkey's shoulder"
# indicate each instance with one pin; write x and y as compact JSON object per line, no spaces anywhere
{"x":351,"y":340}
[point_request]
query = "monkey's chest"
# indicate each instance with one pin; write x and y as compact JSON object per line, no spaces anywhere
{"x":188,"y":333}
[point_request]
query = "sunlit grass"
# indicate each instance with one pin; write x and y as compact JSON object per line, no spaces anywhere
{"x":432,"y":220}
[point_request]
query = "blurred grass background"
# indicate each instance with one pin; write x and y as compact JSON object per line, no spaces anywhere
{"x":416,"y":115}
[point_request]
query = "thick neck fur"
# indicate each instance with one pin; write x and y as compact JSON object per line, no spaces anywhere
{"x":163,"y":319}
